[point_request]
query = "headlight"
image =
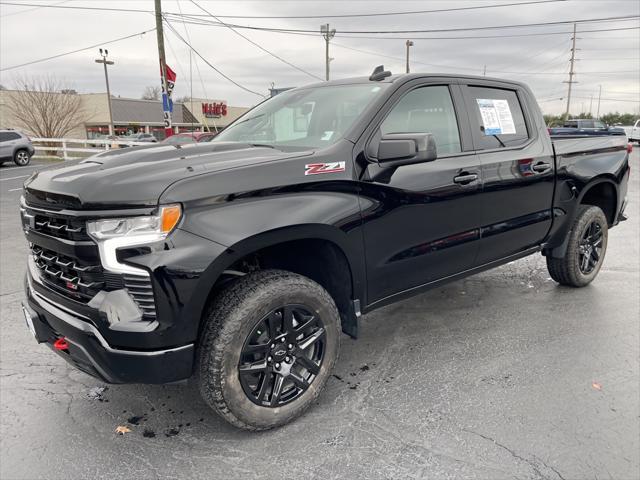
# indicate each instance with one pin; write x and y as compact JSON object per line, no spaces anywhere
{"x":114,"y":233}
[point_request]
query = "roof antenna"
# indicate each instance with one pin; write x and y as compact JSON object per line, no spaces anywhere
{"x":379,"y":73}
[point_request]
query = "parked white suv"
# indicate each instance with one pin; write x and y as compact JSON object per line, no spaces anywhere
{"x":15,"y":146}
{"x":634,"y":133}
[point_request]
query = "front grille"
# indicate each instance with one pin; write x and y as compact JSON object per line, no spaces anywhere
{"x":80,"y":281}
{"x":69,"y":262}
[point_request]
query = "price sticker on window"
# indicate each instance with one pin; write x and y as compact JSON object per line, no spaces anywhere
{"x":496,"y":116}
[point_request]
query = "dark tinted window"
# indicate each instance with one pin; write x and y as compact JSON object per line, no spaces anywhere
{"x":426,"y":110}
{"x":8,"y":136}
{"x":497,"y":118}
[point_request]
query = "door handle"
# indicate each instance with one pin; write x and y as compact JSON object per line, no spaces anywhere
{"x":465,"y":178}
{"x":541,"y":167}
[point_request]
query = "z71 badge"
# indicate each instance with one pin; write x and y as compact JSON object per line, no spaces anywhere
{"x":318,"y":168}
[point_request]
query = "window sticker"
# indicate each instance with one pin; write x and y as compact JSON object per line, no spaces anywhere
{"x":496,"y":116}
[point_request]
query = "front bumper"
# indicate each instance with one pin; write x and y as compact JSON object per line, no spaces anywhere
{"x":89,"y":351}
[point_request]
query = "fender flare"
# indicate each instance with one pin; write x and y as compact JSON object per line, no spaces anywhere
{"x":561,"y":250}
{"x":271,"y":238}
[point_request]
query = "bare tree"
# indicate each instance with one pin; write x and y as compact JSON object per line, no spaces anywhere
{"x":151,"y":93}
{"x":39,"y":106}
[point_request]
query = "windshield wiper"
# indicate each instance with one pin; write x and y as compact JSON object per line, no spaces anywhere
{"x":249,"y":119}
{"x":261,"y":145}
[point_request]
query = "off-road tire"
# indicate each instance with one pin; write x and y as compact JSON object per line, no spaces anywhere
{"x":230,"y":318}
{"x":21,"y":158}
{"x":566,"y":270}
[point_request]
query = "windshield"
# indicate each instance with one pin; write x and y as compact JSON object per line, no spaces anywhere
{"x":306,"y":118}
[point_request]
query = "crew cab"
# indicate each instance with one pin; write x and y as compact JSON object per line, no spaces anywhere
{"x":240,"y":261}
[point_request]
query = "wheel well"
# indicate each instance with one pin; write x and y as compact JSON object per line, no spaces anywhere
{"x":320,"y":260}
{"x":603,"y":195}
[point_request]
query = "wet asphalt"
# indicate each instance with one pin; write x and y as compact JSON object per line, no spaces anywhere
{"x":501,"y":375}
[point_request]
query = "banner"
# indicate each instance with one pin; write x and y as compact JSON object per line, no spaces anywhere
{"x":167,"y":103}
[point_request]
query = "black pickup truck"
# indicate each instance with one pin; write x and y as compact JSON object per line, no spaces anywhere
{"x":239,"y":262}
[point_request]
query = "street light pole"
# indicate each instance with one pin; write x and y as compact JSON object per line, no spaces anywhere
{"x":409,"y":43}
{"x":105,"y":62}
{"x":328,"y":34}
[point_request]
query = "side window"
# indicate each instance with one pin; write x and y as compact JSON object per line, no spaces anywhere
{"x":8,"y":136}
{"x":599,"y":124}
{"x":586,"y":124}
{"x":426,"y":110}
{"x":497,"y":118}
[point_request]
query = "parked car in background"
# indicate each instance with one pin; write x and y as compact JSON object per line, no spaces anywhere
{"x":189,"y":137}
{"x":16,"y":146}
{"x":633,"y":132}
{"x":143,"y":137}
{"x":586,"y":126}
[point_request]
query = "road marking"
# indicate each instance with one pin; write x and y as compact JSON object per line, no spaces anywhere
{"x":15,"y":189}
{"x":13,"y":178}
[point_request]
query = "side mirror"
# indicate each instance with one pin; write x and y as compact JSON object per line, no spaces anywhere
{"x":395,"y":149}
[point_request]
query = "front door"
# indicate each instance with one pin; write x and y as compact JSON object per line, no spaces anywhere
{"x":421,"y":221}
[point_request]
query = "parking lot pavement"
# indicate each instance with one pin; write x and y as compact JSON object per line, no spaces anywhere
{"x":501,"y":375}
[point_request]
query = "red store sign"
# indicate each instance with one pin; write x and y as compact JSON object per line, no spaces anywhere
{"x":218,"y":109}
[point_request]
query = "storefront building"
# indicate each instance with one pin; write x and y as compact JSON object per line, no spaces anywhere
{"x":133,"y":116}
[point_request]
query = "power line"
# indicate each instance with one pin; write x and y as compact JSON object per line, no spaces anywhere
{"x":456,"y":67}
{"x":385,"y":14}
{"x":209,"y":63}
{"x":497,"y":27}
{"x":313,"y":33}
{"x":267,"y":17}
{"x":31,"y":9}
{"x":256,"y":44}
{"x":76,"y":51}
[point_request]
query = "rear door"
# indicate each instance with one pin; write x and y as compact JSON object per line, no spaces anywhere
{"x":7,"y":143}
{"x":421,"y":221}
{"x":518,"y":169}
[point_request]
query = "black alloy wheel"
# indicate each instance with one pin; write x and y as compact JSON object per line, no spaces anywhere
{"x":590,"y":248}
{"x":282,"y":355}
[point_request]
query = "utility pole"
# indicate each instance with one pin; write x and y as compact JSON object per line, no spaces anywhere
{"x":599,"y":95}
{"x":163,"y":70}
{"x":484,"y":71}
{"x":591,"y":106}
{"x":571,"y":70}
{"x":328,"y":34}
{"x":409,"y":44}
{"x":105,"y":62}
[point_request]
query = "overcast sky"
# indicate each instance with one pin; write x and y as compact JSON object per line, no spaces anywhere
{"x":610,"y":59}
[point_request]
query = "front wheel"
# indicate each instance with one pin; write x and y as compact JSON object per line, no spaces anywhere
{"x":587,"y":245}
{"x":21,"y":158}
{"x":268,"y":346}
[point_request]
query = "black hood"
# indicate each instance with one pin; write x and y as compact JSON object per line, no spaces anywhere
{"x":138,"y":176}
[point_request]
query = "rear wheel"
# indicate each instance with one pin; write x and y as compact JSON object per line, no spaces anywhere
{"x":21,"y":158}
{"x":270,"y":342}
{"x":587,"y":245}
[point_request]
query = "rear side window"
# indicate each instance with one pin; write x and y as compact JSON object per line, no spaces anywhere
{"x":426,"y":110}
{"x":497,"y":118}
{"x":8,"y":136}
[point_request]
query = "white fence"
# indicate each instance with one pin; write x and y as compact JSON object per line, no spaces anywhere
{"x":62,"y":147}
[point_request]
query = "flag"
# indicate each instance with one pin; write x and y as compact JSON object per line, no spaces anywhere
{"x":167,"y":103}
